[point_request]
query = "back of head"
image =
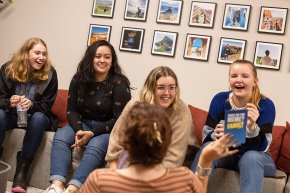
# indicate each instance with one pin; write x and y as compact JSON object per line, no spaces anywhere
{"x":147,"y":134}
{"x":147,"y":93}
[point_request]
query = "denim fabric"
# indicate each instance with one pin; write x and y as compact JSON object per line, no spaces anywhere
{"x":37,"y":124}
{"x":252,"y":166}
{"x":61,"y":154}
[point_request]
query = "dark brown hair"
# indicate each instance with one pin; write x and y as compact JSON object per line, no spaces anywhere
{"x":147,"y":134}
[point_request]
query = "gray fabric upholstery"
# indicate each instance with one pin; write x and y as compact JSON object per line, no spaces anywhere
{"x":227,"y":181}
{"x":4,"y":171}
{"x":287,"y":188}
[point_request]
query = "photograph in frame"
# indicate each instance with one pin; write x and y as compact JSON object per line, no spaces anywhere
{"x":268,"y":55}
{"x":169,"y":11}
{"x":202,"y":14}
{"x":132,"y":39}
{"x":273,"y":20}
{"x":164,"y":43}
{"x":197,"y":47}
{"x":136,"y":10}
{"x":98,"y":32}
{"x":103,"y":8}
{"x":236,"y":17}
{"x":231,"y":50}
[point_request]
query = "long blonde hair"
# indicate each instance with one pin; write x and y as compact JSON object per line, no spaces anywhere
{"x":256,"y":94}
{"x":19,"y":68}
{"x":147,"y":93}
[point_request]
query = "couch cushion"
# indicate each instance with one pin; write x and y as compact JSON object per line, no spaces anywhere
{"x":60,"y":106}
{"x":287,"y":187}
{"x":198,"y":119}
{"x":283,"y":161}
{"x":277,"y":135}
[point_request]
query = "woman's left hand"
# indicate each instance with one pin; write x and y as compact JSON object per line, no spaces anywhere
{"x":82,"y":138}
{"x":25,"y":103}
{"x":253,"y":115}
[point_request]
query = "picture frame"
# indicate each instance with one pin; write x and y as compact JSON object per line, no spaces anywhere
{"x":202,"y":14}
{"x":268,"y":55}
{"x":169,"y":11}
{"x":231,"y":49}
{"x":103,"y":8}
{"x":132,"y":39}
{"x":136,"y":10}
{"x":164,"y":43}
{"x":197,"y":47}
{"x":98,"y":32}
{"x":236,"y":17}
{"x":272,"y":20}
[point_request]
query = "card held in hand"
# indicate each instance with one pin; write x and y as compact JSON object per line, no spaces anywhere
{"x":236,"y":124}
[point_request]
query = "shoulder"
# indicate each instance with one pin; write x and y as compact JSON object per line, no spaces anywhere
{"x":266,"y":104}
{"x":118,"y":79}
{"x":4,"y":66}
{"x":222,"y":96}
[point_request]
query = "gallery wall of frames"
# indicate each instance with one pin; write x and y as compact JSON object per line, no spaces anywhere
{"x":236,"y":17}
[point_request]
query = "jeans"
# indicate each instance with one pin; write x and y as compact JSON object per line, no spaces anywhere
{"x":61,"y":154}
{"x":37,"y":124}
{"x":252,"y":166}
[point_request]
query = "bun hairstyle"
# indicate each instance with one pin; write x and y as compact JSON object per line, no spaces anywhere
{"x":147,"y":134}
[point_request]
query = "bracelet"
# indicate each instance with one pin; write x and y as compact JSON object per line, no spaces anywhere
{"x":203,"y":172}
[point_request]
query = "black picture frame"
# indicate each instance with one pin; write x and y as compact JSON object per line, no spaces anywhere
{"x":164,"y":43}
{"x":236,"y":17}
{"x":132,"y":39}
{"x":98,"y":32}
{"x":103,"y":8}
{"x":273,"y":20}
{"x":268,"y":55}
{"x":136,"y":10}
{"x":169,"y":11}
{"x":231,"y":49}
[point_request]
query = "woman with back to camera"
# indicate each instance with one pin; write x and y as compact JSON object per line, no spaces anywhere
{"x":146,"y":138}
{"x":98,"y":93}
{"x":27,"y":80}
{"x":161,"y":87}
{"x":253,"y":161}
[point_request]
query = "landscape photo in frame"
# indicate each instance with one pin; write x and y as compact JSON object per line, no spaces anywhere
{"x":164,"y":43}
{"x":202,"y":14}
{"x":132,"y":39}
{"x":197,"y":47}
{"x":98,"y":32}
{"x":103,"y":8}
{"x":169,"y":11}
{"x":136,"y":10}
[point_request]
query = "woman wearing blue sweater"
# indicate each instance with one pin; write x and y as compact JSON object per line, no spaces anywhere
{"x":253,"y":161}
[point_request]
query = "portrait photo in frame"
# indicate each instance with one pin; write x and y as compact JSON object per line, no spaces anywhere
{"x":202,"y":14}
{"x":236,"y":17}
{"x":231,"y":50}
{"x":103,"y":8}
{"x":164,"y":43}
{"x":272,"y":20}
{"x":136,"y":10}
{"x":169,"y":11}
{"x":98,"y":32}
{"x":197,"y":47}
{"x":132,"y":39}
{"x":268,"y":55}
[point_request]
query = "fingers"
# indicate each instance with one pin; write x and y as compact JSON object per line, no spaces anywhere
{"x":219,"y":131}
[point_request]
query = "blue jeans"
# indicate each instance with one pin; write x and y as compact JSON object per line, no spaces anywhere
{"x":252,"y":166}
{"x":37,"y":124}
{"x":61,"y":154}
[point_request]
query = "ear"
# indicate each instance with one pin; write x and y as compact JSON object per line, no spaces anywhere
{"x":256,"y":82}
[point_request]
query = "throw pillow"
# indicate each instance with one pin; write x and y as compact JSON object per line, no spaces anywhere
{"x":277,"y":136}
{"x":283,"y":162}
{"x":60,"y":106}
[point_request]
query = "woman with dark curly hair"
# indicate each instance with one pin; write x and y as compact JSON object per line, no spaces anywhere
{"x":97,"y":95}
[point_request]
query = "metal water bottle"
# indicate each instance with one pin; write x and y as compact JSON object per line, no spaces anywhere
{"x":21,"y":116}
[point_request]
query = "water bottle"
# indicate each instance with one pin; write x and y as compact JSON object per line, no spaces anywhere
{"x":21,"y":116}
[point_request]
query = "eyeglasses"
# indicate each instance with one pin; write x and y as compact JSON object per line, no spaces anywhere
{"x":162,"y":89}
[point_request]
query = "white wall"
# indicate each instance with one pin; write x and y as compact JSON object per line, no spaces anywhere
{"x":64,"y":25}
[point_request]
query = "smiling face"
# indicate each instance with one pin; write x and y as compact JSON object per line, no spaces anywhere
{"x":165,"y":91}
{"x":102,"y":62}
{"x":37,"y":56}
{"x":242,"y":81}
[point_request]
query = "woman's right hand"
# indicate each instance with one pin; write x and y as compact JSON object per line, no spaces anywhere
{"x":219,"y":131}
{"x":14,"y":100}
{"x":217,"y":149}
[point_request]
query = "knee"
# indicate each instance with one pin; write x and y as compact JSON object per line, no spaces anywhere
{"x":65,"y":134}
{"x":39,"y":118}
{"x":99,"y":142}
{"x":251,"y":158}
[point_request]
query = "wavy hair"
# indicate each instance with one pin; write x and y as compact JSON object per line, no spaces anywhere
{"x":85,"y":71}
{"x":19,"y":68}
{"x":147,"y":93}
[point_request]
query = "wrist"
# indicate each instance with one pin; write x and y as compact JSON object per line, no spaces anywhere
{"x":203,"y":172}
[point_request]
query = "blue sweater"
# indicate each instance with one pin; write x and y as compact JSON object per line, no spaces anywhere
{"x":220,"y":103}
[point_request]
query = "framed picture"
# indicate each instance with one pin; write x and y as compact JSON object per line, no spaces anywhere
{"x":202,"y":14}
{"x":231,"y":50}
{"x":197,"y":47}
{"x":136,"y":10}
{"x":268,"y":55}
{"x":169,"y":11}
{"x":236,"y":17}
{"x":164,"y":43}
{"x":103,"y":8}
{"x":132,"y":39}
{"x":98,"y":32}
{"x":273,"y":20}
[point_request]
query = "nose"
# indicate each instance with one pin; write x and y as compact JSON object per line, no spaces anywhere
{"x":102,"y":59}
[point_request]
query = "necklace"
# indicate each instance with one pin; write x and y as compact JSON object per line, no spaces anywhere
{"x":234,"y":106}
